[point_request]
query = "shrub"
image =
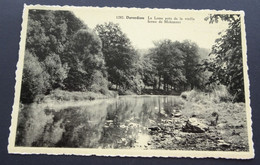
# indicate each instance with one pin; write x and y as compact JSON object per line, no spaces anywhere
{"x":99,"y":83}
{"x":57,"y":71}
{"x":34,"y":80}
{"x":190,"y":95}
{"x":218,"y":94}
{"x":221,"y":94}
{"x":125,"y":92}
{"x":61,"y":95}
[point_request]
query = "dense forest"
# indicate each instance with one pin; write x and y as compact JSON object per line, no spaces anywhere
{"x":64,"y":53}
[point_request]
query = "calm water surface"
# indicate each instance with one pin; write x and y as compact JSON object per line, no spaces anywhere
{"x":111,"y":123}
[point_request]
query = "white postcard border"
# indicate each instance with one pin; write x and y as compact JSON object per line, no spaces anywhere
{"x":125,"y":152}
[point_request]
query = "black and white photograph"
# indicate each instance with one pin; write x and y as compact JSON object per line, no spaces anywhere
{"x":132,"y":82}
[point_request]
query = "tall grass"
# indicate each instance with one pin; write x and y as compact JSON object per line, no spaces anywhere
{"x":61,"y":95}
{"x":218,"y":94}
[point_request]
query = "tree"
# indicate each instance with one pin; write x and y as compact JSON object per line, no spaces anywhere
{"x":34,"y":80}
{"x":148,"y":71}
{"x":192,"y":69}
{"x":49,"y":31}
{"x":48,"y":34}
{"x":57,"y":72}
{"x":84,"y":58}
{"x":63,"y":53}
{"x":168,"y":59}
{"x":120,"y":56}
{"x":227,"y":62}
{"x":98,"y":83}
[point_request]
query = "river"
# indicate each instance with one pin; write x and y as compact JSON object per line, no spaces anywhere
{"x":124,"y":122}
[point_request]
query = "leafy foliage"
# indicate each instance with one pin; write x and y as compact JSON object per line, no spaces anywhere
{"x":98,"y":83}
{"x":148,"y":72}
{"x":62,"y":53}
{"x":84,"y":57}
{"x":227,"y":64}
{"x":192,"y":69}
{"x":169,"y":63}
{"x":120,"y":56}
{"x":57,"y":72}
{"x":34,"y":80}
{"x":176,"y":65}
{"x":49,"y":31}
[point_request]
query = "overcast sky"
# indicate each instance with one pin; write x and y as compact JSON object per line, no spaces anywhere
{"x":142,"y":34}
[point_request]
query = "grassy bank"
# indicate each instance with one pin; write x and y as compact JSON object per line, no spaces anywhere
{"x":65,"y":96}
{"x":159,"y":92}
{"x":225,"y":121}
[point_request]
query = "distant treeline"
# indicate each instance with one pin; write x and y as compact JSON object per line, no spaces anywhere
{"x":62,"y":52}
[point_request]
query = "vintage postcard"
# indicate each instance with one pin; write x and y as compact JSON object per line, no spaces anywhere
{"x":132,"y":82}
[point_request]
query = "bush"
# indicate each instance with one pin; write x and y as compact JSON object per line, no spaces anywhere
{"x":190,"y":95}
{"x":99,"y":83}
{"x":218,"y":94}
{"x":125,"y":92}
{"x":56,"y":70}
{"x":61,"y":95}
{"x":34,"y":80}
{"x":221,"y":92}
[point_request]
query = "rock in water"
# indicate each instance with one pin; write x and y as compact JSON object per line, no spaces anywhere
{"x":195,"y":126}
{"x":177,"y":115}
{"x":154,"y":128}
{"x":222,"y":143}
{"x":184,"y":96}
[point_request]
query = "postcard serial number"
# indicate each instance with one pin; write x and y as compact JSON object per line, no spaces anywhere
{"x":130,"y":17}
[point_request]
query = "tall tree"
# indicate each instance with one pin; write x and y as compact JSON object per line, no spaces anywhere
{"x":148,"y":71}
{"x":227,"y":61}
{"x":49,"y":31}
{"x":120,"y":56}
{"x":191,"y":63}
{"x":168,"y":59}
{"x":66,"y":51}
{"x":84,"y":57}
{"x":48,"y":34}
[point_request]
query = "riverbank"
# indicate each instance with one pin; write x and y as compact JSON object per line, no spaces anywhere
{"x":192,"y":121}
{"x":61,"y":96}
{"x":160,"y":92}
{"x":201,"y":121}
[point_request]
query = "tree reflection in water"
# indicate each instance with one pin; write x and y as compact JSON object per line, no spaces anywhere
{"x":120,"y":123}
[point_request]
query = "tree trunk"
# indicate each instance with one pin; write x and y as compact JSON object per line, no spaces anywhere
{"x":164,"y":83}
{"x":191,"y":86}
{"x":159,"y":86}
{"x":154,"y":83}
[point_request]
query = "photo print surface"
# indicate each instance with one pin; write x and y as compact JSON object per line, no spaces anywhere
{"x":132,"y":82}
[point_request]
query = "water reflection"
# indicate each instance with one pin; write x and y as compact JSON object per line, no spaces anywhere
{"x":117,"y":123}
